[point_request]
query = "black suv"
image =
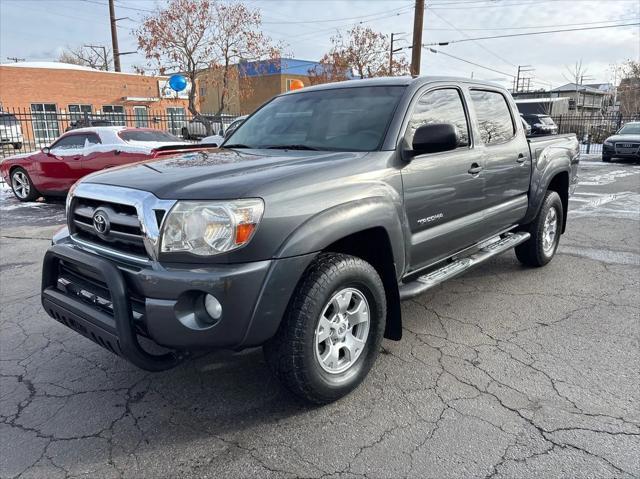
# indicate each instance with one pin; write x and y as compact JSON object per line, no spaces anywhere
{"x":540,"y":124}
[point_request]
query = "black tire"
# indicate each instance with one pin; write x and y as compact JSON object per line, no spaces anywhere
{"x":17,"y":146}
{"x":185,"y":134}
{"x":532,"y":252}
{"x":32,"y":194}
{"x":291,"y":353}
{"x":606,"y":159}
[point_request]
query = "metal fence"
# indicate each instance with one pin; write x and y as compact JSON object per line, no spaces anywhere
{"x":25,"y":131}
{"x":592,"y":130}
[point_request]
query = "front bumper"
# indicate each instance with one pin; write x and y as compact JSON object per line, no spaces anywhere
{"x":114,"y":304}
{"x":615,"y":152}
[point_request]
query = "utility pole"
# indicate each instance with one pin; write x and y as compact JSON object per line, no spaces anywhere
{"x":418,"y":17}
{"x":392,"y":51}
{"x":114,"y":37}
{"x":522,"y":69}
{"x":16,"y":59}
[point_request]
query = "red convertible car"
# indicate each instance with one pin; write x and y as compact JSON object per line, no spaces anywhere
{"x":54,"y":169}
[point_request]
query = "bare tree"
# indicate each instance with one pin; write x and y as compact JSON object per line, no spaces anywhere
{"x":93,"y":57}
{"x":362,"y":53}
{"x":629,"y":88}
{"x":575,"y":74}
{"x":194,"y":36}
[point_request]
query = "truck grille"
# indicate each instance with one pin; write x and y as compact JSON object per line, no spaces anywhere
{"x":112,"y":225}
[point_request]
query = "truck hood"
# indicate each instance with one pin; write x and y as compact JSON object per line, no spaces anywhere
{"x":217,"y":173}
{"x":625,"y":138}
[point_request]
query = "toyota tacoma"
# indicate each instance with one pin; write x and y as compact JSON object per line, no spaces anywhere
{"x":304,"y":232}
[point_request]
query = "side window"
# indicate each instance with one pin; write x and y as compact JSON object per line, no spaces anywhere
{"x":494,"y":117}
{"x":440,"y":106}
{"x":71,"y":142}
{"x":92,"y":140}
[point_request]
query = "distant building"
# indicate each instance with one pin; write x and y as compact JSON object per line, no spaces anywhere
{"x":251,"y":84}
{"x":583,"y":99}
{"x":51,"y":94}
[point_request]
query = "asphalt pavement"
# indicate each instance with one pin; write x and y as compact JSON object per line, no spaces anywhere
{"x":504,"y":372}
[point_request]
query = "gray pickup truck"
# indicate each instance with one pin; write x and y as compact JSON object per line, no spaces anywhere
{"x":304,"y":232}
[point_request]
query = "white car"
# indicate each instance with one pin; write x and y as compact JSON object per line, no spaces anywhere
{"x":10,"y":131}
{"x":195,"y":129}
{"x":216,"y":140}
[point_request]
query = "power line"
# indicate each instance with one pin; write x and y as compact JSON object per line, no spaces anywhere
{"x":533,"y":26}
{"x":329,"y":20}
{"x":476,"y":42}
{"x":433,"y":50}
{"x":529,"y":34}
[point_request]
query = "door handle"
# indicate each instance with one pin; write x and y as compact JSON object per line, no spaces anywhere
{"x":521,"y":158}
{"x":475,"y":169}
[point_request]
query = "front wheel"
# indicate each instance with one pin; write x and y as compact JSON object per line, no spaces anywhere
{"x":545,"y":233}
{"x":22,"y":185}
{"x":17,"y":146}
{"x":330,"y":335}
{"x":606,"y":158}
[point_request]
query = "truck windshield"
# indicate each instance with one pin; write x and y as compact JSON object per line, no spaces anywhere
{"x":340,"y":119}
{"x":630,"y":129}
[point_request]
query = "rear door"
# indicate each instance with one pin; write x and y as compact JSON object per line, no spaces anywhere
{"x":443,"y":192}
{"x":507,"y":161}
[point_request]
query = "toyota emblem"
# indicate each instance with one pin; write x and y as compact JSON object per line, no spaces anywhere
{"x":101,"y":222}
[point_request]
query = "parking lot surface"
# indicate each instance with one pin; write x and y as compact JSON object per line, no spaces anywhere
{"x":504,"y":372}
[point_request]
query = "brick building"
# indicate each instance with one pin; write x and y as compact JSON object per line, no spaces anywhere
{"x":252,"y":84}
{"x":51,"y":95}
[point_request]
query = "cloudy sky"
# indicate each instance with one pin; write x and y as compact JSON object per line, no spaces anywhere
{"x":38,"y":30}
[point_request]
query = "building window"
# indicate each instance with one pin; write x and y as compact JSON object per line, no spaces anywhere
{"x":203,"y":91}
{"x":176,"y":119}
{"x":77,"y":112}
{"x":115,"y":113}
{"x":141,"y":116}
{"x":44,"y":118}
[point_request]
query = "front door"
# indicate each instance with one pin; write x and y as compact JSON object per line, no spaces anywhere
{"x":443,"y":192}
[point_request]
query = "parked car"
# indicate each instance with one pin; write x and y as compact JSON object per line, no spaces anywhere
{"x":52,"y":170}
{"x":320,"y":213}
{"x":216,"y":140}
{"x":624,"y":144}
{"x":10,"y":131}
{"x":89,"y":122}
{"x":195,"y":129}
{"x":541,"y":124}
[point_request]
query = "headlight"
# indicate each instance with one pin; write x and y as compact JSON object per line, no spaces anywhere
{"x":210,"y":227}
{"x":70,"y":197}
{"x":608,"y":142}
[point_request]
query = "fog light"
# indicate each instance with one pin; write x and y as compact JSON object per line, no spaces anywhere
{"x":212,"y":306}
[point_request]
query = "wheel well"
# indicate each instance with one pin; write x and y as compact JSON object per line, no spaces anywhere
{"x":560,"y":184}
{"x":373,"y":246}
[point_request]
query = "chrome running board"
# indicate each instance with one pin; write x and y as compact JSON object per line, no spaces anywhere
{"x":460,"y":265}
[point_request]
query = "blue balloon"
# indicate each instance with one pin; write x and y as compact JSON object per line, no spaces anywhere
{"x":177,"y":82}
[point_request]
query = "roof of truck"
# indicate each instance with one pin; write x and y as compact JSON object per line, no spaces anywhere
{"x":393,"y":81}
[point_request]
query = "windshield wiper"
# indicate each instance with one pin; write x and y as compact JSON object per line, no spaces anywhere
{"x":290,"y":147}
{"x":235,"y":145}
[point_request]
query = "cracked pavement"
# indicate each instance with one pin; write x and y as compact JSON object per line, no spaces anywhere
{"x":503,"y":372}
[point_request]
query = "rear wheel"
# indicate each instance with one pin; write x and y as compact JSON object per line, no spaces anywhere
{"x":22,"y":185}
{"x":545,"y":233}
{"x":331,"y":333}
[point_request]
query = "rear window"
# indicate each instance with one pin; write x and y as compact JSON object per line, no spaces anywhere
{"x":494,"y":117}
{"x":8,"y":120}
{"x":147,"y":135}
